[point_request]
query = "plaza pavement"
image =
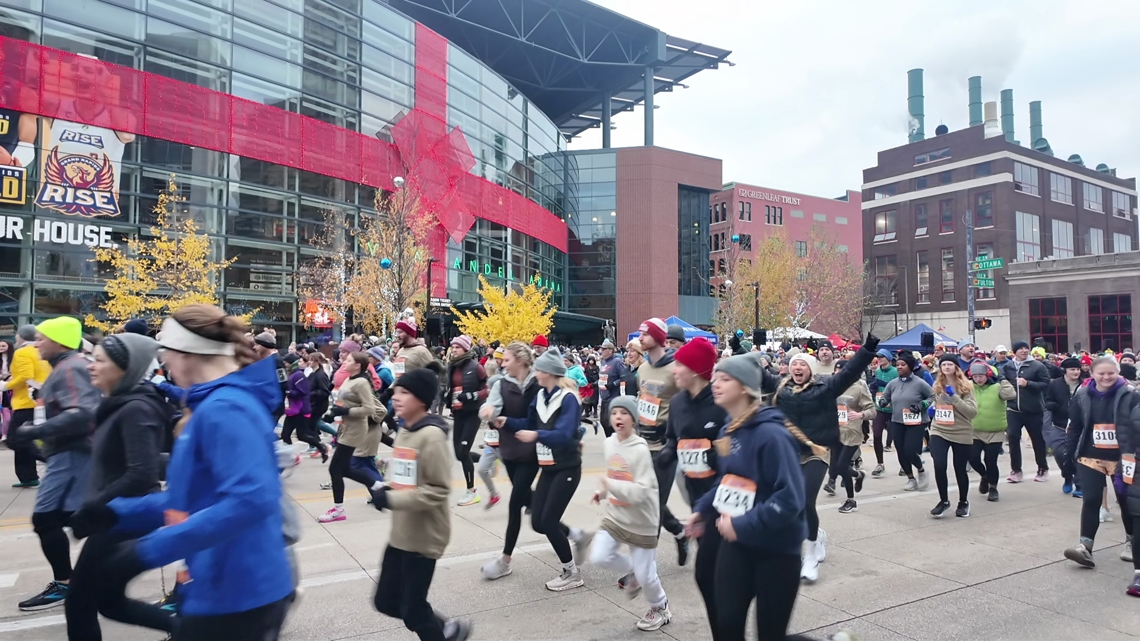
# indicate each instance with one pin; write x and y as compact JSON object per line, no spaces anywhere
{"x":892,"y":573}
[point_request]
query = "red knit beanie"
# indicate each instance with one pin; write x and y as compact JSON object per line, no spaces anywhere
{"x":409,"y":327}
{"x":656,"y":328}
{"x":540,"y":341}
{"x":698,"y":355}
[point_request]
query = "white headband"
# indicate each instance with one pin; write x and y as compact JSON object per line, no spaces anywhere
{"x":174,"y":336}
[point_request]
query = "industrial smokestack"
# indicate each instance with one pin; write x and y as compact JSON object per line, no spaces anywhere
{"x":975,"y":100}
{"x":992,"y":128}
{"x":1035,"y":129}
{"x":914,"y":105}
{"x":1007,"y":114}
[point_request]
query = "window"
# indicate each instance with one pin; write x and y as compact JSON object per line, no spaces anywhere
{"x":982,"y":252}
{"x":945,"y":178}
{"x":920,"y":183}
{"x":946,"y":217}
{"x":1063,"y":239}
{"x":982,"y":169}
{"x":886,"y":279}
{"x":884,"y":226}
{"x":1060,"y":188}
{"x":1025,"y":179}
{"x":1110,"y":322}
{"x":1028,"y":236}
{"x":984,"y":209}
{"x":1094,"y":241}
{"x":746,"y":242}
{"x":819,"y":218}
{"x":1094,"y":198}
{"x":932,"y":156}
{"x":840,"y":220}
{"x":741,"y":216}
{"x":797,"y":213}
{"x":919,"y":220}
{"x":748,"y":212}
{"x":923,"y":277}
{"x":1049,"y":320}
{"x":1121,"y":243}
{"x":801,"y":248}
{"x":947,"y":275}
{"x":722,"y":266}
{"x":716,"y":242}
{"x":886,"y":191}
{"x":773,"y":215}
{"x":1121,"y":205}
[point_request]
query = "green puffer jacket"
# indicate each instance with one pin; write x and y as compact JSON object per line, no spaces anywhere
{"x":991,"y":400}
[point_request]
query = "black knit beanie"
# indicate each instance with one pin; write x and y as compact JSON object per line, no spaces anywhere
{"x":422,"y":383}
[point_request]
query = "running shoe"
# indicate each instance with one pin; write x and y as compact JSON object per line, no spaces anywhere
{"x":993,"y":496}
{"x":1105,"y":515}
{"x":496,"y":568}
{"x":53,"y":595}
{"x":963,"y":510}
{"x":859,"y":481}
{"x":326,"y":485}
{"x":1134,"y":587}
{"x":940,"y":509}
{"x":821,"y":545}
{"x":456,"y":630}
{"x":848,"y":507}
{"x":655,"y":618}
{"x":629,"y":585}
{"x":809,"y":565}
{"x":382,"y":467}
{"x":492,"y":502}
{"x":566,"y":580}
{"x":168,"y":603}
{"x":902,"y":473}
{"x":316,"y":454}
{"x":334,"y":514}
{"x":27,"y":484}
{"x":888,"y":449}
{"x":470,"y":498}
{"x":878,"y":471}
{"x":843,"y":635}
{"x":682,"y":550}
{"x":984,"y":486}
{"x":829,"y":487}
{"x":1067,"y":488}
{"x":1126,"y":551}
{"x":923,"y":480}
{"x":1015,"y":477}
{"x":911,"y":485}
{"x":1077,"y":493}
{"x":1042,"y":476}
{"x":1080,"y":555}
{"x":857,"y":462}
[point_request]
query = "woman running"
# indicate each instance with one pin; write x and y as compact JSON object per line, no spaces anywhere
{"x":511,"y":397}
{"x":467,"y":385}
{"x":810,"y":405}
{"x":359,"y":414}
{"x":990,"y":393}
{"x":909,"y":396}
{"x":952,"y":429}
{"x":553,"y":424}
{"x":299,"y":410}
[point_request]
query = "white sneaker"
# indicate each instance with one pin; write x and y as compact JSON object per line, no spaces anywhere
{"x":655,"y":618}
{"x":496,"y":568}
{"x":821,"y":545}
{"x":334,"y":514}
{"x":1105,"y":515}
{"x":809,"y":567}
{"x":470,"y":498}
{"x":911,"y":485}
{"x":566,"y":580}
{"x":923,"y":481}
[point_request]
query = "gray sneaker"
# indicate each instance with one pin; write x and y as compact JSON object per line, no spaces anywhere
{"x":1126,"y":553}
{"x":655,"y":618}
{"x":496,"y":568}
{"x":1080,"y":555}
{"x":566,"y":580}
{"x":911,"y":485}
{"x":923,"y":481}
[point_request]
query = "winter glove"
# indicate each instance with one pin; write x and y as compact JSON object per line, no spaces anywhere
{"x":930,"y":411}
{"x":949,"y":390}
{"x":871,"y":343}
{"x":338,"y":410}
{"x":916,"y":407}
{"x":93,"y":518}
{"x":379,"y":498}
{"x":470,"y":396}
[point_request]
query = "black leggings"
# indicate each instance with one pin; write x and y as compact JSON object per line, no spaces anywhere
{"x":908,"y":446}
{"x":402,"y":591}
{"x":879,"y":425}
{"x":306,"y":427}
{"x":704,"y":571}
{"x":462,"y":435}
{"x":522,"y":475}
{"x":54,"y":542}
{"x":258,"y":624}
{"x":841,"y":458}
{"x":605,"y":418}
{"x":939,"y":451}
{"x":1032,"y":424}
{"x":814,"y":471}
{"x":90,"y":594}
{"x":551,"y":498}
{"x":666,"y":475}
{"x":989,"y":469}
{"x":340,"y":468}
{"x":742,"y":575}
{"x":1092,"y":485}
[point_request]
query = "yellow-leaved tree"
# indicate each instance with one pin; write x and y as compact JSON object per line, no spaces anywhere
{"x":159,"y":275}
{"x":514,"y":314}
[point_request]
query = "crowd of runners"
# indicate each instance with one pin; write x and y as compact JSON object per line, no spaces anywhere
{"x":169,"y":452}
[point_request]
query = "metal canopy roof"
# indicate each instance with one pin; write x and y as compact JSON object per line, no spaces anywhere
{"x":563,"y":54}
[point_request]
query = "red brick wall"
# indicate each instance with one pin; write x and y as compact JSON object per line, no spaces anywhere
{"x":647,"y":183}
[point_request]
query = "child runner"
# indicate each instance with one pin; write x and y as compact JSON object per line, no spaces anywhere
{"x":632,"y":514}
{"x":420,"y":474}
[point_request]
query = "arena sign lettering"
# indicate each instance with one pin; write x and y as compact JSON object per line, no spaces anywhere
{"x":58,"y":232}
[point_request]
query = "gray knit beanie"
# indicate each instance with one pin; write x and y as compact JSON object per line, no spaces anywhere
{"x":627,"y":403}
{"x":551,"y":363}
{"x":743,"y":368}
{"x":132,"y":353}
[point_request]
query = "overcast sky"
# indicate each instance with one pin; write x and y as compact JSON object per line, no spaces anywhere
{"x":819,"y":87}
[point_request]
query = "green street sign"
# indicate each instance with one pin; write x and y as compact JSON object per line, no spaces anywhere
{"x":986,"y":283}
{"x":986,"y":264}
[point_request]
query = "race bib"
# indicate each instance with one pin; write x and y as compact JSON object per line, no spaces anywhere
{"x":1104,"y":436}
{"x":878,"y":397}
{"x":944,"y":414}
{"x":39,"y":414}
{"x":545,"y":454}
{"x":734,"y":496}
{"x":911,"y":418}
{"x":647,"y":409}
{"x":621,"y":388}
{"x":842,"y":410}
{"x":403,"y":468}
{"x":693,"y":457}
{"x":1128,"y":467}
{"x":603,"y":380}
{"x":398,"y":367}
{"x":491,"y":437}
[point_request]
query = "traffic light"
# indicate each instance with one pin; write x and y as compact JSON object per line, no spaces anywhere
{"x":982,"y":323}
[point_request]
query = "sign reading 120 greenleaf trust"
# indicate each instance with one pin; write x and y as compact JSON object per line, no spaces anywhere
{"x":506,"y":272}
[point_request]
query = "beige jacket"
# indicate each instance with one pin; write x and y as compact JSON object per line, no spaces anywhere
{"x":412,"y":357}
{"x":965,"y":408}
{"x":356,"y":395}
{"x":858,"y":399}
{"x":420,"y":476}
{"x":632,"y":512}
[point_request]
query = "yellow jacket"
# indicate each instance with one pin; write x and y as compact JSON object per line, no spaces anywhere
{"x":26,"y":365}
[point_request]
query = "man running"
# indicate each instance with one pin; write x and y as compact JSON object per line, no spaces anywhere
{"x":612,"y":371}
{"x":408,"y":352}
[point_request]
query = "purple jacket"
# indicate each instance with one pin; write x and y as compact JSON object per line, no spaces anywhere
{"x":298,"y":394}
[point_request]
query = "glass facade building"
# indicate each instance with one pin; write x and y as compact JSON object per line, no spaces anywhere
{"x":349,"y":63}
{"x":590,"y":182}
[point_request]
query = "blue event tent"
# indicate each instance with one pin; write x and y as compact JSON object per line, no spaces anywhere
{"x":691,"y":332}
{"x":912,"y":339}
